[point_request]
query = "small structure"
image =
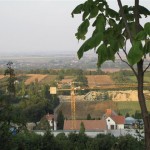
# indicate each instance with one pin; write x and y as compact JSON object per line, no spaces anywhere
{"x":90,"y":125}
{"x":129,"y":122}
{"x":115,"y":122}
{"x":51,"y":120}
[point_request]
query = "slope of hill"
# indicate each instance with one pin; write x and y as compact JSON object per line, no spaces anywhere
{"x":96,"y":109}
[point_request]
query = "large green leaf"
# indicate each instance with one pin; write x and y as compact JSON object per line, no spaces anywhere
{"x":82,"y":30}
{"x":147,"y":47}
{"x":91,"y":43}
{"x":112,"y":13}
{"x":77,"y":10}
{"x":141,"y":35}
{"x":87,"y":8}
{"x":147,"y":28}
{"x":144,"y":11}
{"x":136,"y":53}
{"x":114,"y":44}
{"x":120,"y":40}
{"x":85,"y":14}
{"x":112,"y":22}
{"x":100,"y":23}
{"x":111,"y":53}
{"x":94,"y":11}
{"x":101,"y":7}
{"x":102,"y":54}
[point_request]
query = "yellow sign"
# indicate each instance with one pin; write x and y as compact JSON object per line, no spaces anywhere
{"x":52,"y":90}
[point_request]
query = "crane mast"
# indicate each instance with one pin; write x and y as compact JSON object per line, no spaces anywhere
{"x":73,"y":106}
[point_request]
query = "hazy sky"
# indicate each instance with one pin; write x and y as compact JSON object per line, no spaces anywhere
{"x":41,"y":26}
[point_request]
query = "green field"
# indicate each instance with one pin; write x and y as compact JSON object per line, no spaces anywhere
{"x":130,"y":107}
{"x":146,"y":79}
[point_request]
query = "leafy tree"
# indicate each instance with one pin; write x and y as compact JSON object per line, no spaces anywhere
{"x":137,"y":115}
{"x":43,"y":125}
{"x":23,"y":89}
{"x":60,"y":77}
{"x":60,"y":120}
{"x":49,"y":141}
{"x":11,"y":79}
{"x":81,"y":80}
{"x":127,"y":115}
{"x":89,"y":117}
{"x":82,"y":128}
{"x":128,"y":142}
{"x":63,"y":142}
{"x":112,"y":31}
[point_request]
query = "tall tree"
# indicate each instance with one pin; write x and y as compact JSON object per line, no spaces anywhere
{"x":11,"y":79}
{"x":112,"y":31}
{"x":82,"y":128}
{"x":60,"y":120}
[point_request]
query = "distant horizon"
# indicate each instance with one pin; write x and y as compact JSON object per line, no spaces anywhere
{"x":45,"y":53}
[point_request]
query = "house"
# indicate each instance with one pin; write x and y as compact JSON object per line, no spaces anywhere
{"x":90,"y":125}
{"x":51,"y":120}
{"x":115,"y":122}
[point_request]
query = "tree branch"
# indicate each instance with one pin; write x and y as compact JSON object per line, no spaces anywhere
{"x":124,"y":49}
{"x":136,"y":13}
{"x":127,"y":64}
{"x":146,"y":68}
{"x":125,"y":20}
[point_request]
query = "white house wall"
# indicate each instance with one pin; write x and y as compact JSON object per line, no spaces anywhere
{"x":51,"y":124}
{"x":110,"y":122}
{"x":120,"y":126}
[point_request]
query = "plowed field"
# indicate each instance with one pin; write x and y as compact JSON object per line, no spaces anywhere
{"x":98,"y":80}
{"x":2,"y":76}
{"x":33,"y":77}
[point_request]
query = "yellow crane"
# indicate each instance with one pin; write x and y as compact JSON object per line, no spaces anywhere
{"x":72,"y":90}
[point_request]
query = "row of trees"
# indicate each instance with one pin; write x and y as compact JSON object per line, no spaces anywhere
{"x":74,"y":141}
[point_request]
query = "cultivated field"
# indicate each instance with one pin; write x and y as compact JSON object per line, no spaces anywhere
{"x":48,"y":79}
{"x":98,"y":80}
{"x":130,"y":107}
{"x":2,"y":76}
{"x":33,"y":77}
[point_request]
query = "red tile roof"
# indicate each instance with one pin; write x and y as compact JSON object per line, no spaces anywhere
{"x":110,"y":112}
{"x":119,"y":119}
{"x":96,"y":125}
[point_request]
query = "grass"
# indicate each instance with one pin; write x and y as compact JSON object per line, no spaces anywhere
{"x":146,"y":78}
{"x":48,"y":79}
{"x":130,"y":107}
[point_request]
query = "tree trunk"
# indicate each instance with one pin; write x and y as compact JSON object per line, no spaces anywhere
{"x":142,"y":102}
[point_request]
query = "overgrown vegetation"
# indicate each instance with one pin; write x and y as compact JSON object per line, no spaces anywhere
{"x":74,"y":141}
